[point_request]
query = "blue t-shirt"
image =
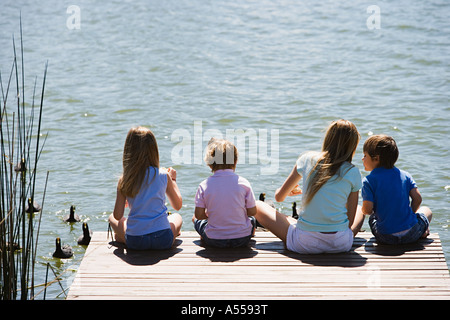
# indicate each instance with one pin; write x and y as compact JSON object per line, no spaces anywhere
{"x":389,"y":189}
{"x":327,"y":211}
{"x":148,"y":212}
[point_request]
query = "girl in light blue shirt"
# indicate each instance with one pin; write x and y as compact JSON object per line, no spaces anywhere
{"x":330,"y":200}
{"x":144,"y":186}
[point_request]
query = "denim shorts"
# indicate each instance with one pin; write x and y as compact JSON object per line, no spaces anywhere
{"x":200,"y":226}
{"x":410,"y":236}
{"x":158,"y":240}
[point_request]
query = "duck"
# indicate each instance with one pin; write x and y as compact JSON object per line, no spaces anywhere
{"x":15,"y":247}
{"x":262,"y":197}
{"x":29,"y":208}
{"x":72,"y":216}
{"x":63,"y":252}
{"x":86,"y":237}
{"x":20,"y":167}
{"x":294,"y":211}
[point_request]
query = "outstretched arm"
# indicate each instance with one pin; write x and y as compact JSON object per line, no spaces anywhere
{"x":287,"y":189}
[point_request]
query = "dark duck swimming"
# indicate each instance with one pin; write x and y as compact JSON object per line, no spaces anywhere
{"x":62,"y":252}
{"x":32,"y":206}
{"x":86,"y":237}
{"x":262,"y":197}
{"x":294,"y":211}
{"x":72,"y":216}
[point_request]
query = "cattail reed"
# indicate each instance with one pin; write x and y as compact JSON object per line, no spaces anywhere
{"x":20,"y":148}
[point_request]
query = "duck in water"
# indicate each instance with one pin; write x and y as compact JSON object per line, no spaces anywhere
{"x":294,"y":211}
{"x":63,"y":252}
{"x":262,"y":197}
{"x":72,"y":216}
{"x":86,"y":237}
{"x":31,"y":208}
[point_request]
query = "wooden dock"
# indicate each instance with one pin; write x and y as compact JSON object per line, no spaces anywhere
{"x":264,"y":270}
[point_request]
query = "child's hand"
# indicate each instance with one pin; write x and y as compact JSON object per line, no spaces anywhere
{"x":296,"y":191}
{"x":172,"y":173}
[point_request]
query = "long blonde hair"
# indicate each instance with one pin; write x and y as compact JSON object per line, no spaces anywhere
{"x":339,"y":145}
{"x":140,"y":152}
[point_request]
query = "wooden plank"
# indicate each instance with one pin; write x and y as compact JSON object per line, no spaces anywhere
{"x":264,"y":270}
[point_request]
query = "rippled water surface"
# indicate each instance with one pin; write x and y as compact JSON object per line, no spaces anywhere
{"x":202,"y":67}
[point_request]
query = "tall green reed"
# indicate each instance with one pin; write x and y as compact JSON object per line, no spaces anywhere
{"x":20,"y":147}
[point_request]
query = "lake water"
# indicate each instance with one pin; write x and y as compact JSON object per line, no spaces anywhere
{"x":279,"y":71}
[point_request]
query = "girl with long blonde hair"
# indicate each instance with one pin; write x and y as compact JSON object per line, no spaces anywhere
{"x":330,"y":200}
{"x":143,"y":185}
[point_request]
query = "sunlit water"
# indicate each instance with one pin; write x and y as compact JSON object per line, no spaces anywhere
{"x":185,"y":68}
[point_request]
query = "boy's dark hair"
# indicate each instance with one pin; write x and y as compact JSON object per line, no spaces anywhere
{"x":384,"y":147}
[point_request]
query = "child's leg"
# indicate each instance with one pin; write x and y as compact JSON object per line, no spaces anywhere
{"x":427,"y":212}
{"x":358,"y":221}
{"x":276,"y":222}
{"x":199,"y":225}
{"x":175,"y":221}
{"x":119,"y":227}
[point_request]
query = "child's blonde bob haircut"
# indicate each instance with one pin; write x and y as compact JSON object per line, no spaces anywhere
{"x":221,"y":154}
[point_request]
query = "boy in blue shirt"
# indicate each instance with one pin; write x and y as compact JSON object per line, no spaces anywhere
{"x":386,"y":194}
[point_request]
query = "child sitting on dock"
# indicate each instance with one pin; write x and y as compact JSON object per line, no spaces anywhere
{"x":143,"y":185}
{"x":332,"y":183}
{"x":224,"y":202}
{"x":386,"y":192}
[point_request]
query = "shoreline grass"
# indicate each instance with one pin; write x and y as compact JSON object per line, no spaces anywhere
{"x":21,"y":147}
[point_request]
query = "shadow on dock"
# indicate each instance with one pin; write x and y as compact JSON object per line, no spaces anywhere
{"x":345,"y":259}
{"x":372,"y":246}
{"x":225,"y":254}
{"x":144,"y":257}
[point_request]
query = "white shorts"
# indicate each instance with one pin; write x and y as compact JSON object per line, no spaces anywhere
{"x":312,"y":242}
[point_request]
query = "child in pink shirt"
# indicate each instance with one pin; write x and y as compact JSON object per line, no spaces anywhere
{"x":224,"y":203}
